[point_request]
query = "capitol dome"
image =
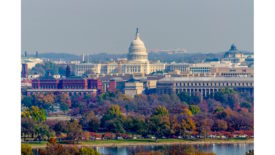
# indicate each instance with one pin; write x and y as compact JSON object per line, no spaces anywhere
{"x":137,"y":50}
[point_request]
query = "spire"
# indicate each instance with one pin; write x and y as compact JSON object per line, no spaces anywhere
{"x":137,"y":34}
{"x":83,"y":57}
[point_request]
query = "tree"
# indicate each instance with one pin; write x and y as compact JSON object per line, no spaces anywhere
{"x":58,"y":149}
{"x":64,"y":107}
{"x":185,"y":122}
{"x":60,"y":127}
{"x":27,"y":101}
{"x":42,"y":131}
{"x":35,"y":113}
{"x":26,"y":149}
{"x":205,"y":126}
{"x":44,"y":101}
{"x":193,"y":99}
{"x":90,"y":121}
{"x":74,"y":130}
{"x":228,"y":97}
{"x":220,"y":125}
{"x":36,"y":128}
{"x":184,"y":97}
{"x":175,"y":126}
{"x":136,"y":125}
{"x":28,"y":127}
{"x":161,"y":110}
{"x":64,"y":99}
{"x":245,"y":105}
{"x":88,"y":151}
{"x":194,"y":109}
{"x":113,"y":120}
{"x":159,"y":124}
{"x":220,"y":113}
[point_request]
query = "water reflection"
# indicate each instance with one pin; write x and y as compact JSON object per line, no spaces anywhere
{"x":219,"y":149}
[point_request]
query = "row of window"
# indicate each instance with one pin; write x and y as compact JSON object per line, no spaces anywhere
{"x":214,"y":84}
{"x":204,"y":91}
{"x":54,"y":87}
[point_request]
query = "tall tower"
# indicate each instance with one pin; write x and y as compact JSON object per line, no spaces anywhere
{"x":88,"y":58}
{"x":25,"y":71}
{"x":68,"y":71}
{"x":83,"y":57}
{"x":36,"y":54}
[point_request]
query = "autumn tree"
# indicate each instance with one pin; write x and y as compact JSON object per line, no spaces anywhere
{"x":136,"y":125}
{"x":158,"y":122}
{"x":64,"y":98}
{"x":26,"y":149}
{"x":33,"y":123}
{"x":88,"y":151}
{"x":220,"y":125}
{"x":58,"y":149}
{"x":187,"y":123}
{"x":194,"y":109}
{"x":34,"y":113}
{"x":90,"y":121}
{"x":74,"y":131}
{"x":45,"y":100}
{"x":113,"y":120}
{"x":205,"y":126}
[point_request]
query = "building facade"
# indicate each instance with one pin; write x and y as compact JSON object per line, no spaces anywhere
{"x":69,"y":85}
{"x":203,"y":85}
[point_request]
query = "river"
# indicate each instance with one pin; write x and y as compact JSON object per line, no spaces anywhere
{"x":218,"y":149}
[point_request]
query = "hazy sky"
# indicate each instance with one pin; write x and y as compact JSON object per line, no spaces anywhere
{"x":94,"y":26}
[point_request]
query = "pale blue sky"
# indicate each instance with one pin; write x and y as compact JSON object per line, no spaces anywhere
{"x":94,"y":26}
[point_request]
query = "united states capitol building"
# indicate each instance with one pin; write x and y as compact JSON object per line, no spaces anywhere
{"x":137,"y":63}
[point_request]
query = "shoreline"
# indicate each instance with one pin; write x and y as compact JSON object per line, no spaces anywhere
{"x":126,"y":143}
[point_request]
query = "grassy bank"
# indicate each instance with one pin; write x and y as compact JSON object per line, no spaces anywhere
{"x":135,"y":142}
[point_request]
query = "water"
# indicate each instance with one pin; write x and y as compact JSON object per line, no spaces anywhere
{"x":218,"y":149}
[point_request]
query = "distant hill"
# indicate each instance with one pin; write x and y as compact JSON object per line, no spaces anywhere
{"x":153,"y":56}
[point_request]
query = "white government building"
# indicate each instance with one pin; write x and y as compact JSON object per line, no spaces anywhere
{"x":137,"y":62}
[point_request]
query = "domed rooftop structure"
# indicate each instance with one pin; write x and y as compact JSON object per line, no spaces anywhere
{"x":137,"y":50}
{"x":232,"y":51}
{"x":233,"y":47}
{"x":234,"y":55}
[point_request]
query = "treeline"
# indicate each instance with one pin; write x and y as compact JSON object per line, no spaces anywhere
{"x":48,"y":67}
{"x":158,"y":115}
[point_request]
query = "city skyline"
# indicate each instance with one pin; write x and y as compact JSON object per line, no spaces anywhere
{"x":212,"y":29}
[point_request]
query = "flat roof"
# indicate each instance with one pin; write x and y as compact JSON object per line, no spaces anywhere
{"x":178,"y":79}
{"x":61,"y":90}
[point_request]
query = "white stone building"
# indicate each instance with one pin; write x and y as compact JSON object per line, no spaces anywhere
{"x":137,"y":63}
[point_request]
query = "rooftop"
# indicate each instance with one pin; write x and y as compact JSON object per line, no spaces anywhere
{"x":174,"y":79}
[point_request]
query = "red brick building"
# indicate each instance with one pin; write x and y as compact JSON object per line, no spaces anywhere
{"x":72,"y":83}
{"x":68,"y":85}
{"x":95,"y":84}
{"x":45,"y":83}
